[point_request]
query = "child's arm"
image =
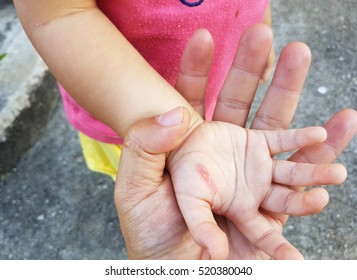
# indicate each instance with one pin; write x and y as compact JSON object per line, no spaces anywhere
{"x":96,"y":64}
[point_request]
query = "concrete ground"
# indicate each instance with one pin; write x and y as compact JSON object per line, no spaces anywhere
{"x":52,"y":207}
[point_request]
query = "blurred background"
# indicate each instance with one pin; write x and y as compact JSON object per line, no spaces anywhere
{"x":52,"y":207}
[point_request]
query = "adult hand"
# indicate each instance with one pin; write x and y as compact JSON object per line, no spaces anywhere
{"x":150,"y":220}
{"x":151,"y":223}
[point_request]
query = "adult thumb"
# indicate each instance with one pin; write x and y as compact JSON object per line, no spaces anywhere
{"x":145,"y":148}
{"x":159,"y":134}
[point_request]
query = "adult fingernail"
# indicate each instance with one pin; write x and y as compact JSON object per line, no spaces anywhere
{"x":171,"y":118}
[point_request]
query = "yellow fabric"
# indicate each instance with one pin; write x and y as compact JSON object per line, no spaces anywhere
{"x":101,"y":157}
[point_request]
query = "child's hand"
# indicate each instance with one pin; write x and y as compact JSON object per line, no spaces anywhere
{"x":228,"y":170}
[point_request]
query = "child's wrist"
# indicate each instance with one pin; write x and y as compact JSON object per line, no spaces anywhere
{"x":195,"y":121}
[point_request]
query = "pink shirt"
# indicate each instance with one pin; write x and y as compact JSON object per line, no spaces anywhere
{"x":159,"y":29}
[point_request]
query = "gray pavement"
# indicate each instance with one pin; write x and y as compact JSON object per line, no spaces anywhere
{"x":28,"y":92}
{"x":52,"y":207}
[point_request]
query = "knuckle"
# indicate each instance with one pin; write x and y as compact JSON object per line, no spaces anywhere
{"x":269,"y":122}
{"x":234,"y":103}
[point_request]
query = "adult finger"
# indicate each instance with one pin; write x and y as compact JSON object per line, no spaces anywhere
{"x":341,"y":129}
{"x":194,"y":69}
{"x":141,"y":151}
{"x":242,"y":81}
{"x":279,"y":104}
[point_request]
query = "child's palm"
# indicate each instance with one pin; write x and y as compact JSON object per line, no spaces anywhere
{"x":228,"y":170}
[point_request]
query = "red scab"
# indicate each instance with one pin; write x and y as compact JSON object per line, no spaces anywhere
{"x":204,"y":173}
{"x":215,"y":199}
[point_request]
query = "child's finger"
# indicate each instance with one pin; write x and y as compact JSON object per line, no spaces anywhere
{"x":285,"y":201}
{"x":262,"y":234}
{"x":287,"y":140}
{"x":306,"y":174}
{"x":203,"y":227}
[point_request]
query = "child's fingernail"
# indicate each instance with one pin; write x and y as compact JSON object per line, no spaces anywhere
{"x":171,"y":118}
